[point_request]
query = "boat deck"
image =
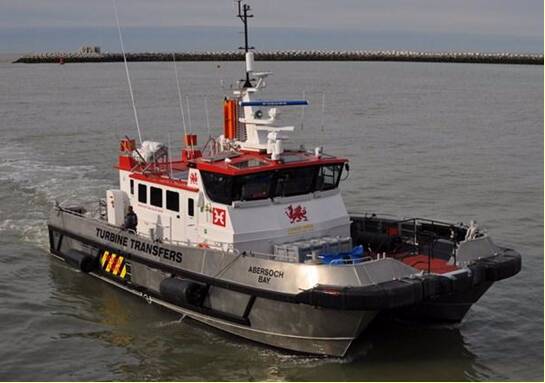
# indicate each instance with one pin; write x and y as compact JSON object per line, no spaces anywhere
{"x":426,"y":263}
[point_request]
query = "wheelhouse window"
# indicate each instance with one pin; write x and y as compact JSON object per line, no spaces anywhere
{"x":289,"y":182}
{"x":132,"y":186}
{"x":142,"y":193}
{"x":252,"y":187}
{"x":173,"y":201}
{"x":156,"y":197}
{"x":295,"y":181}
{"x":218,"y":187}
{"x":328,"y":177}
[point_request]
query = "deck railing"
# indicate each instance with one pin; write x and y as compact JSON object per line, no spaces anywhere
{"x":420,"y":236}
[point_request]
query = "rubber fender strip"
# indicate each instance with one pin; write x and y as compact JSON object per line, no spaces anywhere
{"x":478,"y":274}
{"x":386,"y":295}
{"x":183,"y":302}
{"x":81,"y":261}
{"x":249,"y":307}
{"x":434,"y":286}
{"x":500,"y":266}
{"x":462,"y":282}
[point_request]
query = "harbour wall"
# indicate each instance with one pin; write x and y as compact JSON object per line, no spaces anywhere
{"x":294,"y":55}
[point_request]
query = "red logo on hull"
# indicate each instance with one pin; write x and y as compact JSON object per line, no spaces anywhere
{"x":219,"y":217}
{"x":296,"y":214}
{"x":193,"y":178}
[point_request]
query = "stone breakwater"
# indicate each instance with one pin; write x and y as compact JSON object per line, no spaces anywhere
{"x":295,"y":55}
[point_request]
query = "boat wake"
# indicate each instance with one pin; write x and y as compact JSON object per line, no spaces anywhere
{"x":163,"y":324}
{"x":33,"y":184}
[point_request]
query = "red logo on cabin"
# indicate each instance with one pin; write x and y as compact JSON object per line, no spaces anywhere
{"x":219,"y":217}
{"x":296,"y":214}
{"x":193,"y":178}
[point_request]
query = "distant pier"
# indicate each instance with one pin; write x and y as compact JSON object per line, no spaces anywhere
{"x":84,"y":56}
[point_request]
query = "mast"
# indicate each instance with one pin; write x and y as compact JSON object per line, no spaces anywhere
{"x":243,"y":16}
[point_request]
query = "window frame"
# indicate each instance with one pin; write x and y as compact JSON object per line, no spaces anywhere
{"x":143,"y":187}
{"x":190,"y":207}
{"x":278,"y":173}
{"x":156,"y":196}
{"x":169,"y":201}
{"x":335,"y":185}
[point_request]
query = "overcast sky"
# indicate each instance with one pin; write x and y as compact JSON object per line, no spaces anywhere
{"x":513,"y":25}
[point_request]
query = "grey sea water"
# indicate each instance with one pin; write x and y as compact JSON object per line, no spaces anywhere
{"x":447,"y":141}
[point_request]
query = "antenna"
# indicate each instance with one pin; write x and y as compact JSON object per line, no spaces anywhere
{"x":169,"y":158}
{"x":243,"y":15}
{"x":179,"y":94}
{"x":127,"y":71}
{"x":189,"y":117}
{"x":219,"y":79}
{"x":323,"y":110}
{"x":206,"y":115}
{"x":303,"y":112}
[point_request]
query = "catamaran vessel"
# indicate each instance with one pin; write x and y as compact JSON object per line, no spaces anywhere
{"x":249,"y":234}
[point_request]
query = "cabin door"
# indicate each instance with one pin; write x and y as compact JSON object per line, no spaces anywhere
{"x":173,"y":225}
{"x":177,"y":227}
{"x":191,"y":222}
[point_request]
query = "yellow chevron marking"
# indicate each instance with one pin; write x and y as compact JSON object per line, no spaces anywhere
{"x":110,"y":264}
{"x":104,"y":258}
{"x":123,"y":272}
{"x":118,"y":264}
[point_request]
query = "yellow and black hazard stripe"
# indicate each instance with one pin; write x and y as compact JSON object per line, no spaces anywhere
{"x":113,"y":264}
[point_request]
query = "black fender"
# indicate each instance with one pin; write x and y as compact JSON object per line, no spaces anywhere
{"x":81,"y":261}
{"x":498,"y":267}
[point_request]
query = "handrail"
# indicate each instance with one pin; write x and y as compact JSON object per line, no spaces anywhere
{"x":427,"y":237}
{"x":405,"y":219}
{"x":421,"y":234}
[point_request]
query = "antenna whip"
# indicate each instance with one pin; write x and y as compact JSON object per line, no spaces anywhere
{"x":189,"y":117}
{"x":127,"y":71}
{"x":323,"y":111}
{"x":303,"y":112}
{"x":207,"y":116}
{"x":179,"y":93}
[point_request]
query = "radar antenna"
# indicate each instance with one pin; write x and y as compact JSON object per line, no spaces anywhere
{"x":243,"y":15}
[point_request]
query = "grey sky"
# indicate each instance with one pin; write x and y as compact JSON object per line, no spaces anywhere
{"x":512,"y":20}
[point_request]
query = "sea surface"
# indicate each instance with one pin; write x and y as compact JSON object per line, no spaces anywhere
{"x":449,"y":141}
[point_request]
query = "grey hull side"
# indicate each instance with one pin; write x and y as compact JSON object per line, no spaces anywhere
{"x":299,"y":327}
{"x":289,"y":326}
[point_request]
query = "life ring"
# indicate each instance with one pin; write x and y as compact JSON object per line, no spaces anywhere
{"x":203,"y":245}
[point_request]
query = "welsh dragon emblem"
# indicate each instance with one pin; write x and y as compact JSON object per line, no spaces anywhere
{"x":296,"y":214}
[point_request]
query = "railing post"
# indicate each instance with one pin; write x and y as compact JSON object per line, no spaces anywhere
{"x":415,"y":236}
{"x":430,"y":251}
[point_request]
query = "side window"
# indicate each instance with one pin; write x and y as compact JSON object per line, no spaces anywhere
{"x":173,"y":201}
{"x":190,"y":207}
{"x":132,"y":186}
{"x":142,"y":193}
{"x":328,"y":177}
{"x":156,"y":197}
{"x":218,"y":187}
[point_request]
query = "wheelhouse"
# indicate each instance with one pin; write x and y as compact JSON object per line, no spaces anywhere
{"x":288,"y":182}
{"x":251,"y":179}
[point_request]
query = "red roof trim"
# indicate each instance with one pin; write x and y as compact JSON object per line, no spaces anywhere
{"x":163,"y":181}
{"x":270,"y":167}
{"x":228,"y":169}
